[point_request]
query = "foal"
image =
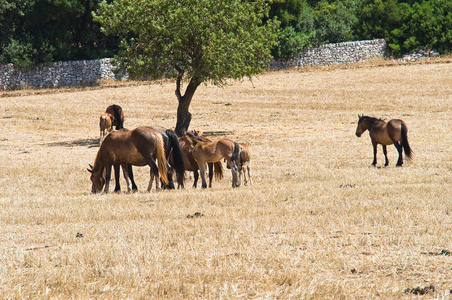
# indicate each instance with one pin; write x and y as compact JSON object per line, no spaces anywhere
{"x":190,"y":163}
{"x":105,"y":125}
{"x":244,"y":162}
{"x":386,"y":133}
{"x":205,"y":152}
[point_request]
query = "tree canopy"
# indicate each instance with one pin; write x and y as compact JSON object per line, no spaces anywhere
{"x":193,"y":41}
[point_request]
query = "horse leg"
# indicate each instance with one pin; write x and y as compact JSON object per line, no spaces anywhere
{"x":154,"y":175}
{"x":374,"y":144}
{"x":195,"y":178}
{"x":169,"y":174}
{"x":385,"y":152}
{"x":240,"y":171}
{"x":234,"y":171}
{"x":202,"y":170}
{"x":400,"y":150}
{"x":117,"y":177}
{"x":130,"y":172}
{"x":249,"y":174}
{"x":125,"y":172}
{"x":210,"y":165}
{"x":107,"y":177}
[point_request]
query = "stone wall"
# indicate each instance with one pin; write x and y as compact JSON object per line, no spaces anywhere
{"x":90,"y":72}
{"x":59,"y":74}
{"x":340,"y":53}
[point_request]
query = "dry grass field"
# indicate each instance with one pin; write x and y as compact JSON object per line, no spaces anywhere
{"x":319,"y":223}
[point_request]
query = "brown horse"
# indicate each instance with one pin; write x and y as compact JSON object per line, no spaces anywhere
{"x":118,"y":116}
{"x":386,"y":133}
{"x":244,"y":162}
{"x":141,"y":146}
{"x":190,"y":163}
{"x":174,"y":156}
{"x":204,"y":152}
{"x":105,"y":125}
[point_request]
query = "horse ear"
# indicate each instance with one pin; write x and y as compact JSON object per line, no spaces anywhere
{"x":91,"y":171}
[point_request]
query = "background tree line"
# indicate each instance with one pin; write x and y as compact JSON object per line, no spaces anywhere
{"x":42,"y":31}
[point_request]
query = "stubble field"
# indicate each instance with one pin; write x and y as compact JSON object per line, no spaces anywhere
{"x":319,"y":222}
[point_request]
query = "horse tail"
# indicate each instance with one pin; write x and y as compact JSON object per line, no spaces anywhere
{"x":117,"y":113}
{"x":405,"y":145}
{"x":119,"y":117}
{"x":178,"y":160}
{"x":161,"y":159}
{"x":218,"y":170}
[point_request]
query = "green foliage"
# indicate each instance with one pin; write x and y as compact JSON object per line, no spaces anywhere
{"x":36,"y":31}
{"x":306,"y":23}
{"x":407,"y":25}
{"x":40,"y":31}
{"x":207,"y":40}
{"x":333,"y":22}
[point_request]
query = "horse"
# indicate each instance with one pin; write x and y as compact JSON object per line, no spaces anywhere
{"x":187,"y":146}
{"x":244,"y":162}
{"x":105,"y":125}
{"x":204,"y":152}
{"x":118,"y":116}
{"x":174,"y":156}
{"x":386,"y":133}
{"x":141,"y":146}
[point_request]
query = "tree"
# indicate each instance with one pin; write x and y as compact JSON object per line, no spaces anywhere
{"x":296,"y":31}
{"x":193,"y":41}
{"x":42,"y":31}
{"x":334,"y":21}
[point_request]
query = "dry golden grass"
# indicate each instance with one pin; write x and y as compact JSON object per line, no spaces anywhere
{"x":319,"y":223}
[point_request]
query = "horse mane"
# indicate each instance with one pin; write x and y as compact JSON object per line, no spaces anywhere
{"x":371,"y":118}
{"x":196,"y":138}
{"x":235,"y":154}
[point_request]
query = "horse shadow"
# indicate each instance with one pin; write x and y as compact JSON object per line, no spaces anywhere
{"x":90,"y":143}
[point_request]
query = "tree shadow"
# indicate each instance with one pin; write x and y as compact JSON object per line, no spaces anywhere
{"x":90,"y":143}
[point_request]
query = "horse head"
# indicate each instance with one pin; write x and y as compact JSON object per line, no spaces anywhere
{"x":360,"y":128}
{"x":97,"y":180}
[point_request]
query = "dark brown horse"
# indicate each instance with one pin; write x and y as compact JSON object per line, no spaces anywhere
{"x":141,"y":146}
{"x":205,"y":152}
{"x":187,"y":146}
{"x":118,"y":116}
{"x":386,"y":133}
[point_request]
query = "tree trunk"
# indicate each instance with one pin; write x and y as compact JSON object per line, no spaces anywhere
{"x":183,"y":115}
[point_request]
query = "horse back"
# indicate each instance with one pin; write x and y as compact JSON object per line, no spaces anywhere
{"x":117,"y":113}
{"x":118,"y":147}
{"x":394,"y":129}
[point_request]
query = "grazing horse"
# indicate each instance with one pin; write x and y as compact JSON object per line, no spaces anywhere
{"x":385,"y":133}
{"x":141,"y":146}
{"x":205,"y":152}
{"x":105,"y":125}
{"x":174,"y":156}
{"x":118,"y":116}
{"x":244,"y":162}
{"x":187,"y":146}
